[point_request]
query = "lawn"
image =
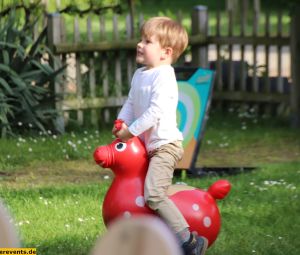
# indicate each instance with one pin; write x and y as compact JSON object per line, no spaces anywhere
{"x":54,"y":190}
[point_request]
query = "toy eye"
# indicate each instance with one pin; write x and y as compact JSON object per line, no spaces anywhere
{"x":120,"y":146}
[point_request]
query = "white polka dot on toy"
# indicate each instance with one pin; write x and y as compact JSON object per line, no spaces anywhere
{"x":127,"y":215}
{"x":195,"y":207}
{"x":207,"y":222}
{"x":140,"y":201}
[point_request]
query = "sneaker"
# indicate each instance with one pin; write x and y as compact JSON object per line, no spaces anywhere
{"x":196,"y":245}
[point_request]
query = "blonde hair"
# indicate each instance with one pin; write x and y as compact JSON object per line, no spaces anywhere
{"x":168,"y":32}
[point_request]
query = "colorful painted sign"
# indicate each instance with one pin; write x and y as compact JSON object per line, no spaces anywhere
{"x":194,"y":99}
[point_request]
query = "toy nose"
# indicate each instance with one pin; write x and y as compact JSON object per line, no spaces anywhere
{"x":102,"y":156}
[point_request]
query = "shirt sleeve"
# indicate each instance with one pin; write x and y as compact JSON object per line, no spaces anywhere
{"x":126,"y":113}
{"x":162,"y":95}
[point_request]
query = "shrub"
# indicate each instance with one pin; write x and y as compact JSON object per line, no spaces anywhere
{"x":26,"y":98}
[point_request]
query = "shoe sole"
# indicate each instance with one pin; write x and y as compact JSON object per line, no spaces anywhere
{"x":204,"y":247}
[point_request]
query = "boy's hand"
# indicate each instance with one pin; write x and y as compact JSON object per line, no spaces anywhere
{"x":124,"y":133}
{"x":117,"y":126}
{"x":120,"y":130}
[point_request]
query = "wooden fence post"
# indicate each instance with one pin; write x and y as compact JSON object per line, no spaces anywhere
{"x":54,"y":36}
{"x":295,"y":59}
{"x":200,"y":26}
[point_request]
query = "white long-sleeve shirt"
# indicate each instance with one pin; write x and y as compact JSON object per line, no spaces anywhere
{"x":150,"y":109}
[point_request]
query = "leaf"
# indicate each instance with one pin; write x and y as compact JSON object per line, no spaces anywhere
{"x":6,"y":86}
{"x":5,"y":57}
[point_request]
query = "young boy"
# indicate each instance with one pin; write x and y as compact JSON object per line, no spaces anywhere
{"x":150,"y":113}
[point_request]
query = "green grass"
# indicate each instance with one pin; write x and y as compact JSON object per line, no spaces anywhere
{"x":55,"y":191}
{"x":259,"y":216}
{"x":57,"y":219}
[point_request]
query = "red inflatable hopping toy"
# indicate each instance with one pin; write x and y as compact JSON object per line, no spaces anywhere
{"x":125,"y":197}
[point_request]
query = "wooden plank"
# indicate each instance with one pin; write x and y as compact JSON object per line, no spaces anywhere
{"x":92,"y":76}
{"x":89,"y":103}
{"x":230,"y":51}
{"x":295,"y":48}
{"x":130,"y":54}
{"x":219,"y":71}
{"x":78,"y":71}
{"x":95,"y":46}
{"x":267,"y":85}
{"x":117,"y":60}
{"x":199,"y":27}
{"x":279,"y":54}
{"x":251,"y":97}
{"x":194,"y":40}
{"x":255,"y":32}
{"x":54,"y":37}
{"x":104,"y":68}
{"x":243,"y":71}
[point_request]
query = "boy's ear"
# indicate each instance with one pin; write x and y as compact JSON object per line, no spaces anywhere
{"x":168,"y":52}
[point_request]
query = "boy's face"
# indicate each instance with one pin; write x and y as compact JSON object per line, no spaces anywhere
{"x":150,"y":53}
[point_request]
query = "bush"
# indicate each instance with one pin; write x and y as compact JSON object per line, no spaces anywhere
{"x":26,"y":100}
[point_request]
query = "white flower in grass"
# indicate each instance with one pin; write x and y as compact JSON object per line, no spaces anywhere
{"x":8,"y":156}
{"x":79,"y":141}
{"x":85,"y":139}
{"x":80,"y":219}
{"x":67,"y":226}
{"x":280,"y":237}
{"x":209,"y":142}
{"x":20,"y":123}
{"x":54,"y":137}
{"x":30,"y":149}
{"x":30,"y":125}
{"x":49,"y":132}
{"x":106,"y":177}
{"x":253,"y":251}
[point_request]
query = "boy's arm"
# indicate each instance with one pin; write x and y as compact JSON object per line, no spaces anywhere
{"x":126,"y":113}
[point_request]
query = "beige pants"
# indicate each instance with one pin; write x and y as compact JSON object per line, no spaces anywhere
{"x":159,"y":177}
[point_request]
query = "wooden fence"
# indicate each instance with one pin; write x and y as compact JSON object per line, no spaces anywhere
{"x":253,"y":69}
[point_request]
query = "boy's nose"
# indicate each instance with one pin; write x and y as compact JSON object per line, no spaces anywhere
{"x":139,"y":45}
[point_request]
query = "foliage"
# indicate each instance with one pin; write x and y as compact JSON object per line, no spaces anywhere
{"x":25,"y":75}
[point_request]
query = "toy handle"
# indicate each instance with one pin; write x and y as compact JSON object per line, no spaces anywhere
{"x":118,"y":124}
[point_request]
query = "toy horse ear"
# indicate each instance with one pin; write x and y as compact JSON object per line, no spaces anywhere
{"x":219,"y":189}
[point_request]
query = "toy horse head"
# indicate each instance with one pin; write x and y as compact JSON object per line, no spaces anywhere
{"x":128,"y":158}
